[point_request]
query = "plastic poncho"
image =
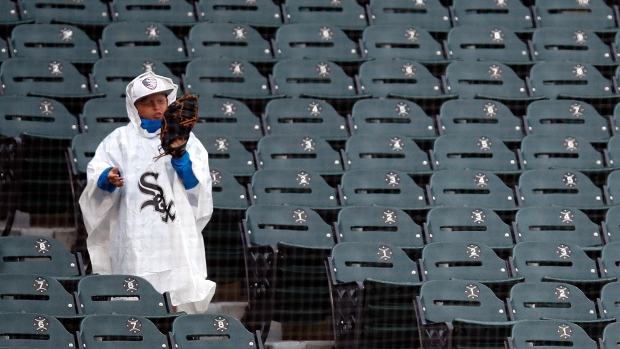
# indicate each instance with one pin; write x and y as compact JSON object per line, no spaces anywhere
{"x":151,"y":227}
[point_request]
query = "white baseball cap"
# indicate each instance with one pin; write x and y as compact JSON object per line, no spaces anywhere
{"x":148,"y":85}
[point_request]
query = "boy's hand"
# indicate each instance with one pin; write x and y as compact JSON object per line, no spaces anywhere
{"x":114,"y":177}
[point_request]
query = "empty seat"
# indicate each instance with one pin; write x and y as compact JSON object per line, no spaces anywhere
{"x":541,"y":151}
{"x":385,"y":151}
{"x":513,"y":15}
{"x":479,"y":116}
{"x":103,"y":331}
{"x":402,"y":40}
{"x":228,"y":40}
{"x":261,"y":13}
{"x":610,"y":300}
{"x":566,"y":117}
{"x":470,"y":188}
{"x":487,"y":43}
{"x":57,"y":41}
{"x":34,"y":330}
{"x":610,"y":258}
{"x":471,"y":151}
{"x":557,"y":223}
{"x":611,"y":225}
{"x":170,"y":13}
{"x":391,"y":116}
{"x":10,"y":15}
{"x":345,"y":14}
{"x":552,"y":334}
{"x":570,"y":44}
{"x":613,"y":187}
{"x":226,"y":153}
{"x":559,"y":187}
{"x":611,"y":336}
{"x":85,"y":14}
{"x":37,"y":255}
{"x":592,"y":14}
{"x":430,"y":15}
{"x":312,"y":40}
{"x":228,"y":193}
{"x":104,"y":115}
{"x":228,"y":116}
{"x":376,"y":186}
{"x":305,"y":116}
{"x":33,"y":293}
{"x":214,"y":330}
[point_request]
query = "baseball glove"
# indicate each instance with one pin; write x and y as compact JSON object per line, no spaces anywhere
{"x":179,"y":119}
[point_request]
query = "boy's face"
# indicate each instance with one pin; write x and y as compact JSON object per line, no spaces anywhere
{"x":152,"y":107}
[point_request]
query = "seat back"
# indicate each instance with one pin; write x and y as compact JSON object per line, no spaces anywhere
{"x":60,"y":41}
{"x":484,"y":79}
{"x":593,"y":14}
{"x":315,"y":40}
{"x":228,"y":116}
{"x":570,"y":80}
{"x":370,"y":186}
{"x":83,"y":148}
{"x":613,"y":149}
{"x":612,"y":224}
{"x":33,"y":293}
{"x":226,"y":153}
{"x":305,"y":116}
{"x":486,"y":43}
{"x":556,"y":223}
{"x":470,"y":188}
{"x":401,"y":40}
{"x":37,"y":255}
{"x":611,"y":336}
{"x":391,"y":116}
{"x":104,"y":115}
{"x":103,"y":331}
{"x":120,"y":294}
{"x":558,"y":187}
{"x":469,"y":151}
{"x":473,"y":224}
{"x":550,"y":334}
{"x":383,"y":151}
{"x":566,"y":117}
{"x":261,"y":13}
{"x":610,"y":299}
{"x":87,"y":13}
{"x":298,"y":152}
{"x":212,"y":330}
{"x":172,"y":13}
{"x":112,"y":74}
{"x":479,"y":116}
{"x":228,"y":40}
{"x":43,"y":117}
{"x":348,"y":14}
{"x":613,"y":187}
{"x":294,"y":187}
{"x":541,"y":260}
{"x":579,"y":45}
{"x":511,"y":15}
{"x":378,"y":224}
{"x":560,"y":151}
{"x":34,"y":330}
{"x":228,"y":193}
{"x":610,"y":258}
{"x":430,"y":15}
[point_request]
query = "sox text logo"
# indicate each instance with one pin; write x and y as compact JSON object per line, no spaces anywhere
{"x":158,"y":200}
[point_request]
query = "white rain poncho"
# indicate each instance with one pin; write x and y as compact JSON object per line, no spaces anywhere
{"x":151,"y":227}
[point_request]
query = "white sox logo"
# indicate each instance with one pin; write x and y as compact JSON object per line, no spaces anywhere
{"x":158,"y":201}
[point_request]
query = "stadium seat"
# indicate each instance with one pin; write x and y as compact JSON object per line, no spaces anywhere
{"x":473,"y":224}
{"x":470,"y":151}
{"x":170,"y":13}
{"x":461,"y":313}
{"x":512,"y":15}
{"x":557,"y":261}
{"x":566,"y":117}
{"x":286,"y":116}
{"x":612,"y":152}
{"x":57,"y":41}
{"x":401,"y":79}
{"x":615,"y":119}
{"x":572,"y":80}
{"x":229,"y":40}
{"x":145,"y":40}
{"x":555,"y":301}
{"x":38,"y":255}
{"x":11,"y":16}
{"x":377,"y":186}
{"x":570,"y":44}
{"x":32,"y":293}
{"x":402,"y":41}
{"x":299,"y":152}
{"x":218,"y":331}
{"x":261,"y":13}
{"x":285,"y":248}
{"x":316,"y":41}
{"x":391,"y":116}
{"x":293,"y":187}
{"x":385,"y":151}
{"x":226,"y":78}
{"x":488,"y":43}
{"x":465,"y":260}
{"x":228,"y":193}
{"x":121,"y":294}
{"x":348,"y":15}
{"x":592,"y":14}
{"x":379,"y":224}
{"x":470,"y":188}
{"x":111,"y":75}
{"x":542,"y":151}
{"x":479,"y":116}
{"x":613,"y":187}
{"x":551,"y":334}
{"x":611,"y":225}
{"x":611,"y":336}
{"x":85,"y":14}
{"x":557,"y":223}
{"x":610,"y":299}
{"x":430,"y":15}
{"x":486,"y":80}
{"x":104,"y":115}
{"x":34,"y":330}
{"x":228,"y":116}
{"x":610,"y":258}
{"x":226,"y":153}
{"x":559,"y":187}
{"x":103,"y":331}
{"x":372,"y":285}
